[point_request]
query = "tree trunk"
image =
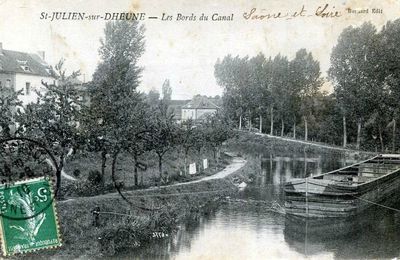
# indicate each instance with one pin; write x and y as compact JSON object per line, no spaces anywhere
{"x":270,"y":164}
{"x":283,"y":127}
{"x":344,"y":132}
{"x":113,"y":164}
{"x":394,"y":136}
{"x":380,"y":137}
{"x":185,"y":163}
{"x":305,"y":163}
{"x":272,"y":120}
{"x":240,"y":122}
{"x":61,"y":165}
{"x":294,"y":129}
{"x":305,"y":129}
{"x":103,"y":164}
{"x":260,"y":123}
{"x":250,"y":124}
{"x":160,"y":167}
{"x":358,"y":134}
{"x":135,"y":170}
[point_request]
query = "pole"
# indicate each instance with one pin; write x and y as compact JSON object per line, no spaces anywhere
{"x":306,"y":239}
{"x":307,"y":197}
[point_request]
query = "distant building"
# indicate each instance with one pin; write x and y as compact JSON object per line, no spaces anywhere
{"x":198,"y":108}
{"x":175,"y":106}
{"x":24,"y":71}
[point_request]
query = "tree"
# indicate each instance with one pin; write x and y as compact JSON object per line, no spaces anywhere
{"x":216,"y":131}
{"x":162,"y":133}
{"x":259,"y":81}
{"x":306,"y":83}
{"x":389,"y":70}
{"x":136,"y":136}
{"x":54,"y":118}
{"x":113,"y":92}
{"x":187,"y":137}
{"x":280,"y":89}
{"x":233,"y":74}
{"x":352,"y":71}
{"x":153,"y":97}
{"x":166,"y":91}
{"x":9,"y":103}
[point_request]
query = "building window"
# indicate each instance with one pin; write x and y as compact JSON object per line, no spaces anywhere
{"x":8,"y":83}
{"x":26,"y":68}
{"x":27,"y":88}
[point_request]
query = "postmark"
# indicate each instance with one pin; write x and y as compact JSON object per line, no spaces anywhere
{"x":23,"y":158}
{"x":28,"y":221}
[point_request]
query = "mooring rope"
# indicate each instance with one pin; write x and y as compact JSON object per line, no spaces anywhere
{"x":377,"y":204}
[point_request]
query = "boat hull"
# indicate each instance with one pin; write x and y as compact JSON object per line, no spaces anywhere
{"x":321,"y":198}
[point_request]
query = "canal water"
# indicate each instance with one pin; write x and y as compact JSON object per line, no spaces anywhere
{"x":246,"y":228}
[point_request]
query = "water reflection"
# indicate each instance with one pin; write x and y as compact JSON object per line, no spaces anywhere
{"x":249,"y":230}
{"x":374,"y":234}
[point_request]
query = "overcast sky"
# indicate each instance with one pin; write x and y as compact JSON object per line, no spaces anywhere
{"x":184,"y":52}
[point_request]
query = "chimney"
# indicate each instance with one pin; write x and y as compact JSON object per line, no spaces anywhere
{"x":41,"y":55}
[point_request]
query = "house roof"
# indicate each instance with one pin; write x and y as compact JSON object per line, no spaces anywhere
{"x":201,"y":102}
{"x":22,"y":62}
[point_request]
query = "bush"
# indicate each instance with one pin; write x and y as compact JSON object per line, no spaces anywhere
{"x":77,"y":173}
{"x":95,"y":178}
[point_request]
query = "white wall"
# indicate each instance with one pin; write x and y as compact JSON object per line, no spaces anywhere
{"x":195,"y":113}
{"x":36,"y":84}
{"x":188,"y":114}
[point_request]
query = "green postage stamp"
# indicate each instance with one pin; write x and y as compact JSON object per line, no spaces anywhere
{"x":28,"y":217}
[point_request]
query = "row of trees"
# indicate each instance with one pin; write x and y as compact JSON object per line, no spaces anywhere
{"x":366,"y":74}
{"x":282,"y":88}
{"x":118,"y":119}
{"x":362,"y":109}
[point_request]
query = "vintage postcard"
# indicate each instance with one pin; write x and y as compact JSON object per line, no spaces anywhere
{"x":216,"y":129}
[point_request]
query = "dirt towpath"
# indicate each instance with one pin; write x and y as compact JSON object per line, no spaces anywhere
{"x":236,"y":164}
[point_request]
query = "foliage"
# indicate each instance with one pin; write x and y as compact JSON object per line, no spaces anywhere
{"x":115,"y":109}
{"x":216,"y":131}
{"x":153,"y":97}
{"x":162,"y":132}
{"x":166,"y":91}
{"x":358,"y":71}
{"x":254,"y":86}
{"x":53,"y":119}
{"x":9,"y":105}
{"x":364,"y":106}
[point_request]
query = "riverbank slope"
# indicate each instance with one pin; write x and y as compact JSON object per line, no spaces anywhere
{"x":106,"y":224}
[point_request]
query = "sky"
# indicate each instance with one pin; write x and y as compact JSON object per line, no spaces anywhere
{"x":185,"y":51}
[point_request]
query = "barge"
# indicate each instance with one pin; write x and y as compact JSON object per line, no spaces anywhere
{"x":344,"y":192}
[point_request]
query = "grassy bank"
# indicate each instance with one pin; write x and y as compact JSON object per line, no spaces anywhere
{"x":249,"y":143}
{"x":173,"y":165}
{"x":119,"y":225}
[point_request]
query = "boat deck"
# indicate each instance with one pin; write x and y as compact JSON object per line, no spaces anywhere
{"x":363,"y":172}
